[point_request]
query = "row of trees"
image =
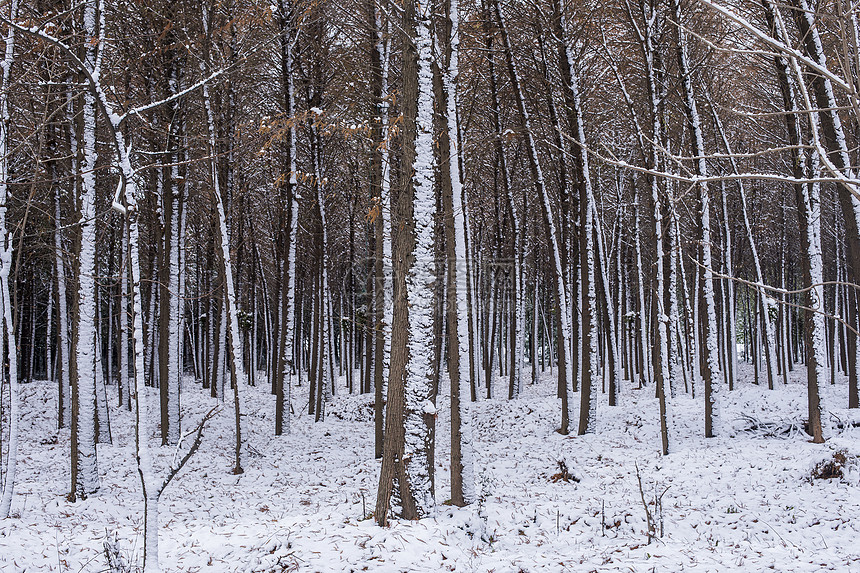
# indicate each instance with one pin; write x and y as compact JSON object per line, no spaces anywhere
{"x":364,"y":195}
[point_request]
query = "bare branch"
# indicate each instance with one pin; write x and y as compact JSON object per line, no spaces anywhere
{"x":198,"y":437}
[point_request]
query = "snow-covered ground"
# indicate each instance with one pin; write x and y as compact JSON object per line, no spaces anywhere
{"x":740,"y":502}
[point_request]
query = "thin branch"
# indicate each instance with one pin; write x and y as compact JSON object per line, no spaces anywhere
{"x":198,"y":437}
{"x":173,"y":97}
{"x":777,"y":45}
{"x":694,"y":179}
{"x":764,"y":287}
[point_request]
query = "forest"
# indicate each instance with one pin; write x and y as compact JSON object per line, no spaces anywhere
{"x":390,"y":245}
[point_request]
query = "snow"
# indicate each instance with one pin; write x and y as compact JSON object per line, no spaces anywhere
{"x":429,"y":408}
{"x":420,"y":279}
{"x":742,"y":501}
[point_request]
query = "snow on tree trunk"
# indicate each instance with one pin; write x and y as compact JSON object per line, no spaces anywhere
{"x":690,"y":322}
{"x":406,"y":471}
{"x":141,"y":407}
{"x":10,"y":469}
{"x":237,"y":369}
{"x":589,"y":367}
{"x":815,"y":319}
{"x":660,"y":355}
{"x":644,"y":348}
{"x":179,"y":309}
{"x":387,"y":231}
{"x":87,"y":461}
{"x":326,"y":356}
{"x":807,"y":197}
{"x":174,"y":300}
{"x":123,"y":321}
{"x":49,"y":329}
{"x":836,"y":157}
{"x":64,"y":397}
{"x":711,"y":350}
{"x":287,"y":310}
{"x":420,"y":410}
{"x":151,"y":490}
{"x":612,"y":346}
{"x":151,"y":331}
{"x":675,"y":336}
{"x":663,"y":374}
{"x":382,"y":223}
{"x":103,"y":435}
{"x":234,"y":342}
{"x":731,"y":329}
{"x":290,"y":305}
{"x":384,"y":239}
{"x":462,"y":469}
{"x":9,"y":333}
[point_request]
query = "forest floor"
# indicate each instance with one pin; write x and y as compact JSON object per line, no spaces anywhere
{"x":744,"y":501}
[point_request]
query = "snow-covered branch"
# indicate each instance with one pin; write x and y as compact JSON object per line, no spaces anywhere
{"x":178,"y":463}
{"x":694,"y":179}
{"x":777,"y":45}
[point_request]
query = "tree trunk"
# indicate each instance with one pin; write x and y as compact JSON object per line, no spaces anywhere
{"x":711,"y":370}
{"x":462,"y":471}
{"x":808,"y":214}
{"x":837,"y":157}
{"x":410,"y":413}
{"x":6,"y":238}
{"x":565,"y":369}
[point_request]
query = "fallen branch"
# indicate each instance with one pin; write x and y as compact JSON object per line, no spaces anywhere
{"x":777,"y":429}
{"x":198,"y":437}
{"x":648,"y":518}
